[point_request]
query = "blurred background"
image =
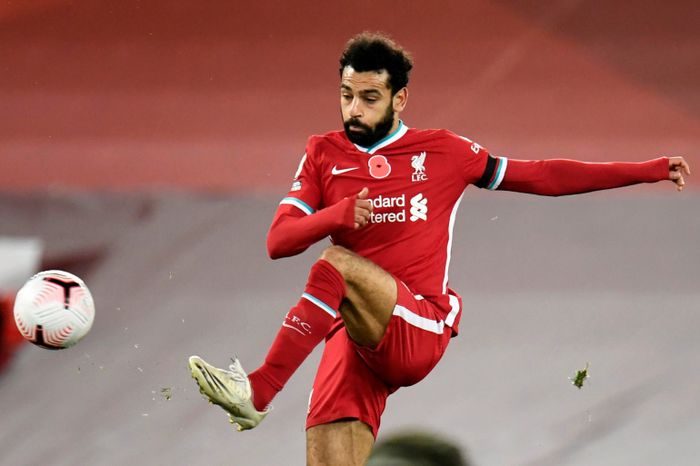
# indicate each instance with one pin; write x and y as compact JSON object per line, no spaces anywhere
{"x":145,"y":145}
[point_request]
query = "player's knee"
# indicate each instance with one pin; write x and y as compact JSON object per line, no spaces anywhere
{"x":337,"y":256}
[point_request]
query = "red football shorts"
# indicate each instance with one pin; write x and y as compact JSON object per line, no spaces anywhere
{"x":353,"y":382}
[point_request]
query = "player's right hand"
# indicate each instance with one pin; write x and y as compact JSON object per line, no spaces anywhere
{"x":363,"y":209}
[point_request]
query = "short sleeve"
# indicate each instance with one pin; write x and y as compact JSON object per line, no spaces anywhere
{"x":305,"y":192}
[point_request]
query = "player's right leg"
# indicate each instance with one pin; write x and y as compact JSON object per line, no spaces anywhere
{"x":345,"y":406}
{"x":353,"y":381}
{"x":346,"y":442}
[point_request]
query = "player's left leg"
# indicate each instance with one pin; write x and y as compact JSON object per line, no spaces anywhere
{"x":246,"y":398}
{"x":304,"y":326}
{"x":370,"y":295}
{"x":343,"y":288}
{"x":341,"y":281}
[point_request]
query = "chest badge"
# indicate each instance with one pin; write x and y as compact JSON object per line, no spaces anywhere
{"x":418,"y":164}
{"x":379,"y":166}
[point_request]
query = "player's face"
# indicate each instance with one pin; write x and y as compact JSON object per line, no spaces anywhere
{"x":369,"y":110}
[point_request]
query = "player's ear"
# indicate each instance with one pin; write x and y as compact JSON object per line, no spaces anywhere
{"x":399,"y":99}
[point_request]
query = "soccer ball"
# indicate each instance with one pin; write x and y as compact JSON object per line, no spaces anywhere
{"x":54,"y":309}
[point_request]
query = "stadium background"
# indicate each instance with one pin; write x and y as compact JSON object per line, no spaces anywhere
{"x":144,"y":146}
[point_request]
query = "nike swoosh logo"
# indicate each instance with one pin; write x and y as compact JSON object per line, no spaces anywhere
{"x":340,"y":171}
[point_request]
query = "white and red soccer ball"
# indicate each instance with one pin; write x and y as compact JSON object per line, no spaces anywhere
{"x":54,"y":309}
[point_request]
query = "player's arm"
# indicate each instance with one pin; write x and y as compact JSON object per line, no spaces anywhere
{"x":296,"y":226}
{"x":558,"y":177}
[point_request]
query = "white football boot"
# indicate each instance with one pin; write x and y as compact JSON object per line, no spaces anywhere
{"x":229,"y":389}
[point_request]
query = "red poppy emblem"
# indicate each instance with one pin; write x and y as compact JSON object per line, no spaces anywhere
{"x":379,"y":166}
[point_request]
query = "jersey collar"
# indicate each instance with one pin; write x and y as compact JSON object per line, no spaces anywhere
{"x":388,"y":139}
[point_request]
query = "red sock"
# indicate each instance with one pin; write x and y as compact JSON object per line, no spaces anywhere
{"x":304,"y":326}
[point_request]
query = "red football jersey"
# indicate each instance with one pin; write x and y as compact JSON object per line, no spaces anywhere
{"x":416,"y":179}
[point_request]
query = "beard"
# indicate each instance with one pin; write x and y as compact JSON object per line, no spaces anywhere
{"x":367,"y":136}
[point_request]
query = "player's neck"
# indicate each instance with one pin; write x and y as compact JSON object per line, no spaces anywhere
{"x":395,"y":126}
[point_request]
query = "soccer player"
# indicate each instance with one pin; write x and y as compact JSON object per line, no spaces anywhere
{"x":387,"y":195}
{"x":417,"y":449}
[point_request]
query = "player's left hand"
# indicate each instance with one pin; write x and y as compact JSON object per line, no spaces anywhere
{"x":677,"y":166}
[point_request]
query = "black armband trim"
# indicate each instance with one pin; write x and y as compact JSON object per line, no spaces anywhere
{"x":486,"y":178}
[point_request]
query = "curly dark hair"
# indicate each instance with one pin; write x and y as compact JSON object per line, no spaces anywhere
{"x":375,"y":51}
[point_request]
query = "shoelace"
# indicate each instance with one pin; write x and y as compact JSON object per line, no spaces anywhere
{"x":235,"y":375}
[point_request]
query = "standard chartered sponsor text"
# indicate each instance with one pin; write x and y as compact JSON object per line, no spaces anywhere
{"x":392,"y":209}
